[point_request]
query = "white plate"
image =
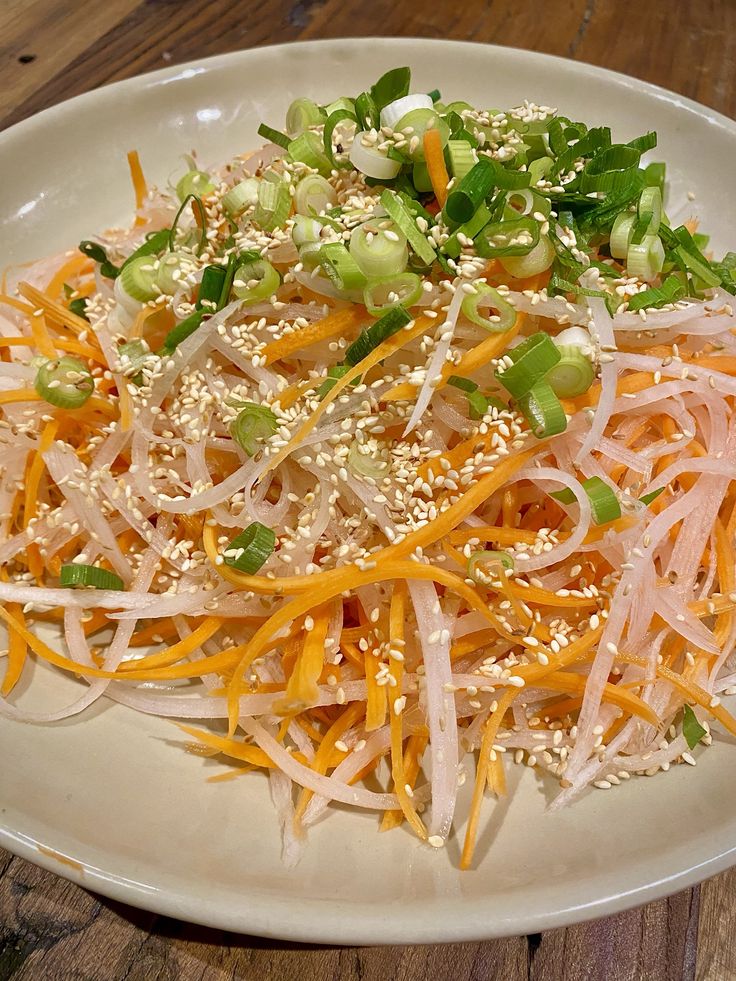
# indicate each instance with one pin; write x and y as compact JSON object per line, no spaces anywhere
{"x":114,"y":792}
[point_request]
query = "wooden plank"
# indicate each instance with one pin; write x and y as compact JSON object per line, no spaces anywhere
{"x":40,"y":38}
{"x":716,"y":950}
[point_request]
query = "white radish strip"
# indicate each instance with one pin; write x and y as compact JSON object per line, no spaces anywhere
{"x":674,"y":612}
{"x":281,"y":788}
{"x":318,"y":783}
{"x":440,"y":705}
{"x":724,"y":384}
{"x":64,"y":466}
{"x":601,"y":331}
{"x":538,"y":476}
{"x":445,"y":333}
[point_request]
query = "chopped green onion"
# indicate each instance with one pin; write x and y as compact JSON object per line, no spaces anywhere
{"x":650,"y":209}
{"x":501,"y":319}
{"x":371,"y":161}
{"x":341,"y":268}
{"x":651,"y":496}
{"x":691,"y":728}
{"x":93,"y":250}
{"x":338,"y":159}
{"x":65,"y":382}
{"x":79,"y":307}
{"x":274,"y":205}
{"x":477,"y":405}
{"x":604,"y":505}
{"x":366,"y":112}
{"x":572,"y":375}
{"x":308,"y":148}
{"x":210,"y":287}
{"x":542,"y":410}
{"x":415,"y":124}
{"x":313,"y":195}
{"x":654,"y":176}
{"x":198,"y":211}
{"x":611,"y":169}
{"x":464,"y":384}
{"x":274,"y":136}
{"x":333,"y":373}
{"x":392,"y":85}
{"x":241,"y":197}
{"x":253,"y":424}
{"x":133,"y":355}
{"x":301,"y":114}
{"x":369,"y":339}
{"x":383,"y":292}
{"x":531,"y":360}
{"x":154,"y":243}
{"x":255,"y":280}
{"x":249,"y":550}
{"x":306,"y":230}
{"x":379,"y":251}
{"x":74,"y":575}
{"x":341,"y":103}
{"x":655,"y":297}
{"x":397,"y":210}
{"x":501,"y":560}
{"x":420,"y":177}
{"x":194,"y":182}
{"x":470,"y":229}
{"x":139,"y":279}
{"x":464,"y":199}
{"x":514,"y":237}
{"x":435,"y":95}
{"x":169,"y":271}
{"x":646,"y":258}
{"x":540,"y":258}
{"x":621,"y":234}
{"x":462,"y":158}
{"x":183,"y":330}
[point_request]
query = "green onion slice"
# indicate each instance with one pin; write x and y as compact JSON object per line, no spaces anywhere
{"x":531,"y":360}
{"x":651,"y":496}
{"x":73,"y":575}
{"x":274,"y":136}
{"x":93,"y":250}
{"x":572,"y":375}
{"x":543,"y":411}
{"x":397,"y":210}
{"x":194,"y":182}
{"x":498,"y":561}
{"x":369,"y":339}
{"x":464,"y":384}
{"x":502,"y":316}
{"x":515,"y":236}
{"x":210,"y":287}
{"x":621,"y":234}
{"x":313,"y":195}
{"x":274,"y":204}
{"x":253,"y":424}
{"x":309,"y":149}
{"x":462,"y":158}
{"x":65,"y":382}
{"x":255,"y":280}
{"x":379,"y":251}
{"x":655,"y":297}
{"x":645,"y":259}
{"x":248,"y":551}
{"x":241,"y":197}
{"x":139,"y":278}
{"x":341,"y":268}
{"x":201,"y":217}
{"x":611,"y":169}
{"x":301,"y":114}
{"x":183,"y":330}
{"x":604,"y":504}
{"x":383,"y":292}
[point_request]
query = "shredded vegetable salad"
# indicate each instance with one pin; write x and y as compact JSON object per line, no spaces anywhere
{"x":402,"y":447}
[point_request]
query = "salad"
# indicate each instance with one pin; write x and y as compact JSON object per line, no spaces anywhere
{"x":401,"y":447}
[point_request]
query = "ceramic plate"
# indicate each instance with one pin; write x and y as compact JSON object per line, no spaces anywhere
{"x":111,"y":801}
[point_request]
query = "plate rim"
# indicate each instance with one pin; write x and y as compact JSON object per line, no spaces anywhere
{"x":259,"y":918}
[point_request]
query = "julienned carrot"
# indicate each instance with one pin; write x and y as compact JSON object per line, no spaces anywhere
{"x":435,"y":159}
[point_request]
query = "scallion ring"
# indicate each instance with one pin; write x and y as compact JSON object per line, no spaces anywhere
{"x":248,"y":551}
{"x":253,"y":424}
{"x":383,"y":292}
{"x":138,"y":279}
{"x":274,"y":204}
{"x":341,"y":268}
{"x":65,"y":382}
{"x":371,"y":161}
{"x":572,"y":375}
{"x":502,"y":316}
{"x":242,"y":196}
{"x":379,"y":251}
{"x":195,"y":182}
{"x":543,"y":411}
{"x":646,"y":258}
{"x":301,"y":114}
{"x":255,"y":280}
{"x":308,"y":149}
{"x":530,"y":362}
{"x":537,"y":260}
{"x":313,"y":195}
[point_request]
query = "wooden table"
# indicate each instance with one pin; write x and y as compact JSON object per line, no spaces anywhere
{"x":55,"y":49}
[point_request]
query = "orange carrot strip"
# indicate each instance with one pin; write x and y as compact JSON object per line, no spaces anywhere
{"x":435,"y":160}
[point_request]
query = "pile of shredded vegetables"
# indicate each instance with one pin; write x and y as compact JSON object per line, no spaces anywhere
{"x":360,"y":558}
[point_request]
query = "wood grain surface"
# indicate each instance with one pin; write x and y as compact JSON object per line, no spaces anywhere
{"x":54,"y":49}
